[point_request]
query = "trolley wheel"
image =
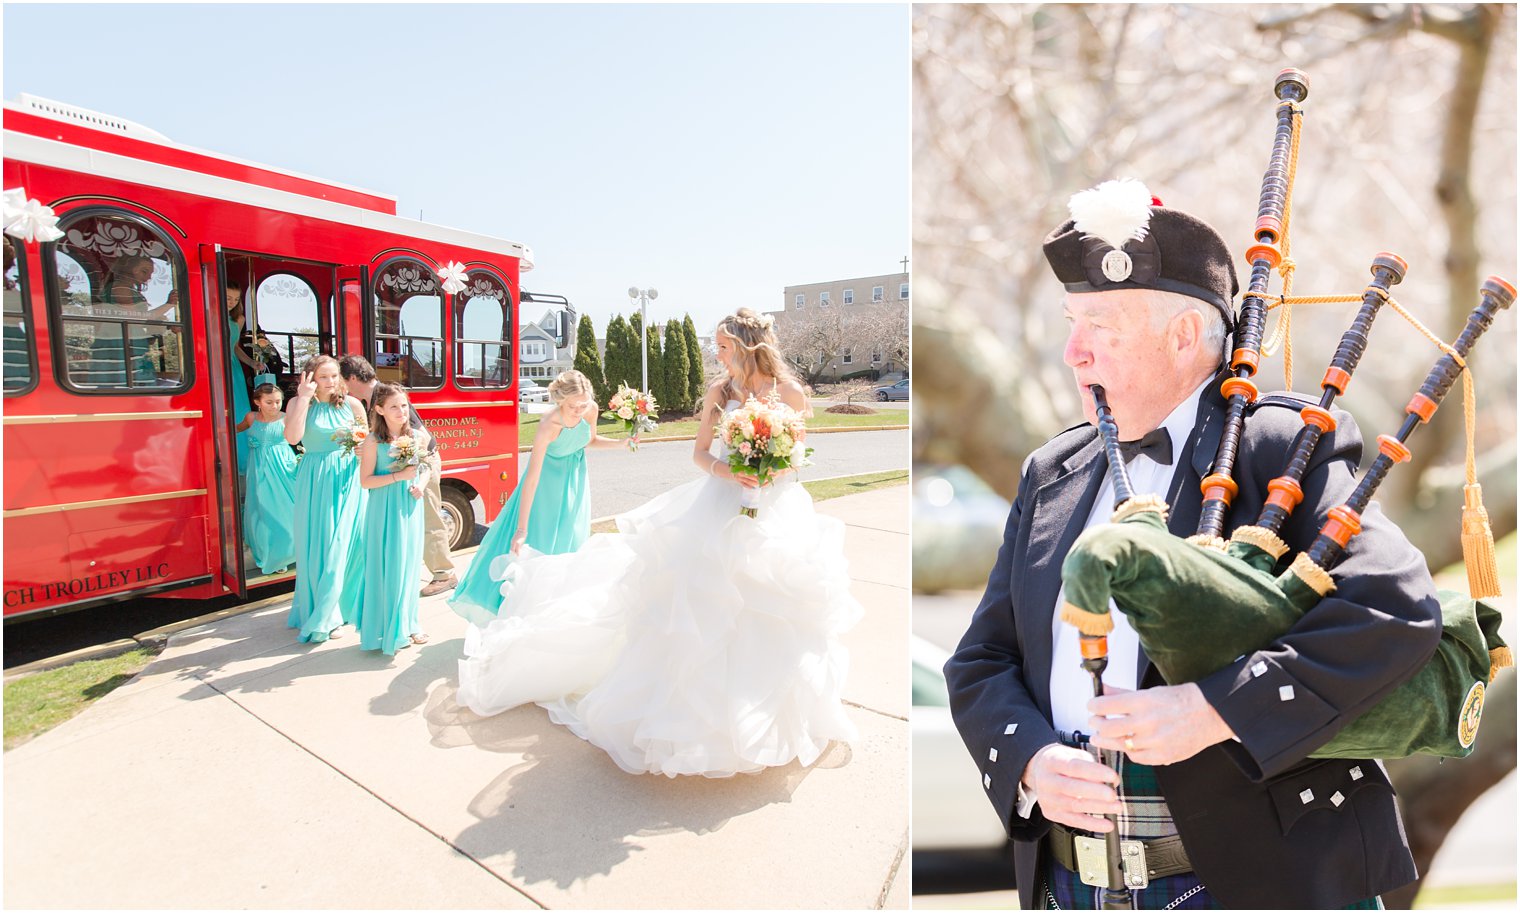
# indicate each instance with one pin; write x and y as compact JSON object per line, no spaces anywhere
{"x":458,"y":517}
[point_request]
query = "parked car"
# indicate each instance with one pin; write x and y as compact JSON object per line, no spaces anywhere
{"x":958,"y":524}
{"x":530,"y":392}
{"x":898,"y":390}
{"x":958,"y":844}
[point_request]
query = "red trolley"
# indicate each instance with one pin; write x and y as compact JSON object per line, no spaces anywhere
{"x":119,"y":438}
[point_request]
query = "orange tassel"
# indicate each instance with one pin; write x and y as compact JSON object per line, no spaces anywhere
{"x":1478,"y":545}
{"x":1499,"y":658}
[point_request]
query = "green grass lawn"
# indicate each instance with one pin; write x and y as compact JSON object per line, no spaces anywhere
{"x":824,"y":489}
{"x":681,"y":426}
{"x":38,"y":702}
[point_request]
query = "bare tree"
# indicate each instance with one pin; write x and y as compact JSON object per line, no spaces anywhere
{"x":813,"y":339}
{"x":888,"y":331}
{"x":1018,"y":106}
{"x":847,"y":392}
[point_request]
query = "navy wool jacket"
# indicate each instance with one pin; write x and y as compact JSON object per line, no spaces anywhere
{"x":1264,"y":826}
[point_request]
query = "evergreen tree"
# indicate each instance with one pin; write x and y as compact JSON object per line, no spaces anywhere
{"x":615,"y":366}
{"x":696,"y":383}
{"x":656,"y":365}
{"x":587,"y":361}
{"x":676,"y":368}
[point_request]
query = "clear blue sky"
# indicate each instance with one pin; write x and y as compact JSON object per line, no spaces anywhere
{"x":715,"y":152}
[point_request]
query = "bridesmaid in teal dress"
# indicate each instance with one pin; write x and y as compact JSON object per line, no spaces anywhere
{"x":269,"y":501}
{"x":238,"y":357}
{"x":393,"y":527}
{"x":550,"y":512}
{"x":329,"y":505}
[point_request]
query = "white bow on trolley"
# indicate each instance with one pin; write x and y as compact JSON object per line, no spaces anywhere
{"x":29,"y":220}
{"x":453,"y":277}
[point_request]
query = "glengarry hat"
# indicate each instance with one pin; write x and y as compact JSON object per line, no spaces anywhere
{"x":1119,"y":237}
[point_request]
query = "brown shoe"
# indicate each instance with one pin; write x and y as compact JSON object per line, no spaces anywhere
{"x":439,"y":586}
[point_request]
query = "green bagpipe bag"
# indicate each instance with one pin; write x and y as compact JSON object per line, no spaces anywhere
{"x":1197,"y":609}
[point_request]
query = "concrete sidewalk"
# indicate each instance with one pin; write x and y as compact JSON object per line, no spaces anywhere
{"x":242,"y":769}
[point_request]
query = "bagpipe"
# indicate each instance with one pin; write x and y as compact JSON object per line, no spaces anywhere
{"x":1199,"y":604}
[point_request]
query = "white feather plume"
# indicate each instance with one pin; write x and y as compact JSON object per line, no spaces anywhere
{"x":1114,"y":212}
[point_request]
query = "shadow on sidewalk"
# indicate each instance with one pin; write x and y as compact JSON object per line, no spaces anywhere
{"x":602,"y":811}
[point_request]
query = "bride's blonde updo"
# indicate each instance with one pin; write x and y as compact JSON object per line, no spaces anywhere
{"x":569,"y":383}
{"x":755,"y":350}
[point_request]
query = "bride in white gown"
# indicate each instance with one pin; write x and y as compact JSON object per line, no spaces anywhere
{"x":696,"y":640}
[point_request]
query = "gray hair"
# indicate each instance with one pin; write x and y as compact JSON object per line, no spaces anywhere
{"x":1167,"y":305}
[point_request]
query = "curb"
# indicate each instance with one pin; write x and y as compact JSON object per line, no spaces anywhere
{"x":99,"y":651}
{"x":691,"y":437}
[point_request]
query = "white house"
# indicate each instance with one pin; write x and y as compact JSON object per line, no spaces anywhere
{"x":545,"y":347}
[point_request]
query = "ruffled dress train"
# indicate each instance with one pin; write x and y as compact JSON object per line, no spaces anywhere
{"x":694,"y":642}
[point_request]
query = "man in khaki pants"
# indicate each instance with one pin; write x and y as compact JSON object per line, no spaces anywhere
{"x":359,"y":375}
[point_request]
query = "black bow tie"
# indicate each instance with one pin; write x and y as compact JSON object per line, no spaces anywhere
{"x":1157,"y":445}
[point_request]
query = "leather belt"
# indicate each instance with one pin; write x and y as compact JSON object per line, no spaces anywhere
{"x":1163,"y":856}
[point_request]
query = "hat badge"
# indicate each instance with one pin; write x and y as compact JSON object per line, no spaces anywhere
{"x":1113,"y":214}
{"x":1117,"y":266}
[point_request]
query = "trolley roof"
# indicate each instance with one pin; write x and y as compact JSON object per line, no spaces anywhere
{"x":44,"y":132}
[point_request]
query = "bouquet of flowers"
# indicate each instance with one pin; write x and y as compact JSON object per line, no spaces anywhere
{"x":764,"y":439}
{"x":351,"y":437}
{"x":406,"y":452}
{"x":264,"y":354}
{"x":635,"y":409}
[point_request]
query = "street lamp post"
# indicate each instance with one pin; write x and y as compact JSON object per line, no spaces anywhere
{"x":643,"y":296}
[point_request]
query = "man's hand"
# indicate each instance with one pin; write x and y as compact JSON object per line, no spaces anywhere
{"x":1072,"y":788}
{"x":1156,"y":726}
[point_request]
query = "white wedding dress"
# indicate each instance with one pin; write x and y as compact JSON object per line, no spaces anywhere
{"x":694,"y":641}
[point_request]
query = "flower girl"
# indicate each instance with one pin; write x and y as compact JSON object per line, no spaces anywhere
{"x":391,"y":460}
{"x":550,"y":512}
{"x":269,"y":503}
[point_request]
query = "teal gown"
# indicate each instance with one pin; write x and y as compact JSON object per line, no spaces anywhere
{"x":240,"y":403}
{"x":328,"y":520}
{"x":393,"y":524}
{"x":559,"y":523}
{"x":269,"y":503}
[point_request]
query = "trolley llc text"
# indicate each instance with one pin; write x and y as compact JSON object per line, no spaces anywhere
{"x":80,"y":586}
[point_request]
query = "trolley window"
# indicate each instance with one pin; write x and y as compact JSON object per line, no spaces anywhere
{"x":115,"y":288}
{"x":483,"y":317}
{"x":20,"y":346}
{"x":407,"y":316}
{"x":289,"y":321}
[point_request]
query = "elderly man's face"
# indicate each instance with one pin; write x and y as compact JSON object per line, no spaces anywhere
{"x":1113,"y":341}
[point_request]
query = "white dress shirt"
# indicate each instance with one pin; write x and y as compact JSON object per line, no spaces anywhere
{"x":1071,"y":686}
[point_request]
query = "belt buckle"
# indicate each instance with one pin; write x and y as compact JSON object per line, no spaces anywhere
{"x":1092,"y":862}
